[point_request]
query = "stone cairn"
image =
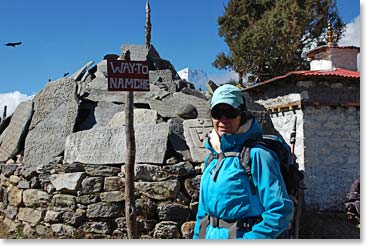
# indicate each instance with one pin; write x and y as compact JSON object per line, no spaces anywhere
{"x":62,"y":155}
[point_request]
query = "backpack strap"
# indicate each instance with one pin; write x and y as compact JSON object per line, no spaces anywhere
{"x":220,"y":157}
{"x":244,"y":224}
{"x":204,"y":222}
{"x":209,"y":159}
{"x":246,"y":162}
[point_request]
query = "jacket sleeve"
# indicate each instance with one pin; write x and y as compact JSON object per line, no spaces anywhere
{"x":273,"y":195}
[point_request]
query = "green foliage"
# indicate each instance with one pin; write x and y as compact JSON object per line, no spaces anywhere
{"x":235,"y":83}
{"x":267,"y":38}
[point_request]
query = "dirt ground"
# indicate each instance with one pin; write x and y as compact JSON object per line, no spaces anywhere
{"x":327,"y":226}
{"x":313,"y":226}
{"x":3,"y":233}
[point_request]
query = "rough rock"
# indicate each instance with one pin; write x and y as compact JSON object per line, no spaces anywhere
{"x":8,"y":169}
{"x":88,"y":199}
{"x":211,"y":86}
{"x":15,"y":196}
{"x":166,"y":230}
{"x":97,"y":114}
{"x":168,"y":105}
{"x":187,"y":229}
{"x":187,"y":111}
{"x":74,"y":218}
{"x":164,"y":75}
{"x":35,"y":198}
{"x":61,"y":202}
{"x":174,"y":212}
{"x":28,"y":172}
{"x":13,"y":226}
{"x":141,"y":116}
{"x":67,"y":182}
{"x":30,"y":215}
{"x":13,"y":136}
{"x":104,"y":210}
{"x":63,"y":230}
{"x":177,"y":139}
{"x":196,"y":132}
{"x":11,"y":212}
{"x":97,"y":227}
{"x":53,"y":217}
{"x":193,"y":92}
{"x":159,"y":190}
{"x":112,"y":196}
{"x":43,"y":231}
{"x":151,"y":145}
{"x":14,"y":179}
{"x":79,"y":74}
{"x":102,"y":170}
{"x":146,"y":172}
{"x":113,"y":184}
{"x":140,"y":52}
{"x":192,"y":186}
{"x":146,"y":207}
{"x":92,"y":185}
{"x":48,"y":130}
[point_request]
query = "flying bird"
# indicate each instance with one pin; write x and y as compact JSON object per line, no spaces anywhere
{"x":66,"y":74}
{"x":13,"y":44}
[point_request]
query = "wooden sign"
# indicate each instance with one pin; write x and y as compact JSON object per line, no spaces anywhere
{"x":128,"y":75}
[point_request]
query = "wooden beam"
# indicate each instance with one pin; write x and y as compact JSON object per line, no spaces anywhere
{"x":284,"y":107}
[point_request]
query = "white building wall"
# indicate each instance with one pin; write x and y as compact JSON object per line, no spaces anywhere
{"x":284,"y":123}
{"x":327,"y":149}
{"x":331,"y":155}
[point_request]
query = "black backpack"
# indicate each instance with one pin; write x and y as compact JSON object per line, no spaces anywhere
{"x":292,"y":176}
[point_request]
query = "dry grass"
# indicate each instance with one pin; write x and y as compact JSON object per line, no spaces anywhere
{"x":3,"y":233}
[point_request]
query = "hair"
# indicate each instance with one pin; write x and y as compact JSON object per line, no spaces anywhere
{"x":243,"y":106}
{"x":245,"y":116}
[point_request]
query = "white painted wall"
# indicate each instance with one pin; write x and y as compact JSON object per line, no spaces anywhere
{"x":284,"y":123}
{"x":327,"y":149}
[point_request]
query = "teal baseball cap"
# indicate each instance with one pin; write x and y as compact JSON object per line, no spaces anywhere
{"x":228,"y":94}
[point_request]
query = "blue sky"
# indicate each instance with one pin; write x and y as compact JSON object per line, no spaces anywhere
{"x":62,"y":36}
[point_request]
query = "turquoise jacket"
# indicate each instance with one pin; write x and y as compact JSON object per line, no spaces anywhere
{"x":230,"y":197}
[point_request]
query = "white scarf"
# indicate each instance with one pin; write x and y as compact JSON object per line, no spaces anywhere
{"x":215,"y":139}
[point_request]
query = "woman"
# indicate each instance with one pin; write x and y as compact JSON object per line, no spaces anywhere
{"x":227,"y":206}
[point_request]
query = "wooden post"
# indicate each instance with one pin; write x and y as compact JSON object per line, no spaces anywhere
{"x":130,"y":214}
{"x":148,"y":25}
{"x":4,"y":112}
{"x":130,"y":149}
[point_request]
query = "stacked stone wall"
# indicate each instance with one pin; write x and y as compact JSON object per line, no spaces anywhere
{"x":87,"y":201}
{"x":332,"y":154}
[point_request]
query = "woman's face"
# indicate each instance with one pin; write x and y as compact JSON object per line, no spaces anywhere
{"x":226,"y":119}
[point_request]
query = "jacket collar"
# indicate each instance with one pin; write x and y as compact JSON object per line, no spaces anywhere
{"x":250,"y":130}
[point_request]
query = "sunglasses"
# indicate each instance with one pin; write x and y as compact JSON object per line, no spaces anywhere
{"x":228,"y":113}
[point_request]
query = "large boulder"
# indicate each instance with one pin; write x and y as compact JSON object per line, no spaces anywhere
{"x":196,"y":132}
{"x":13,"y":136}
{"x":56,"y":109}
{"x":151,"y":145}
